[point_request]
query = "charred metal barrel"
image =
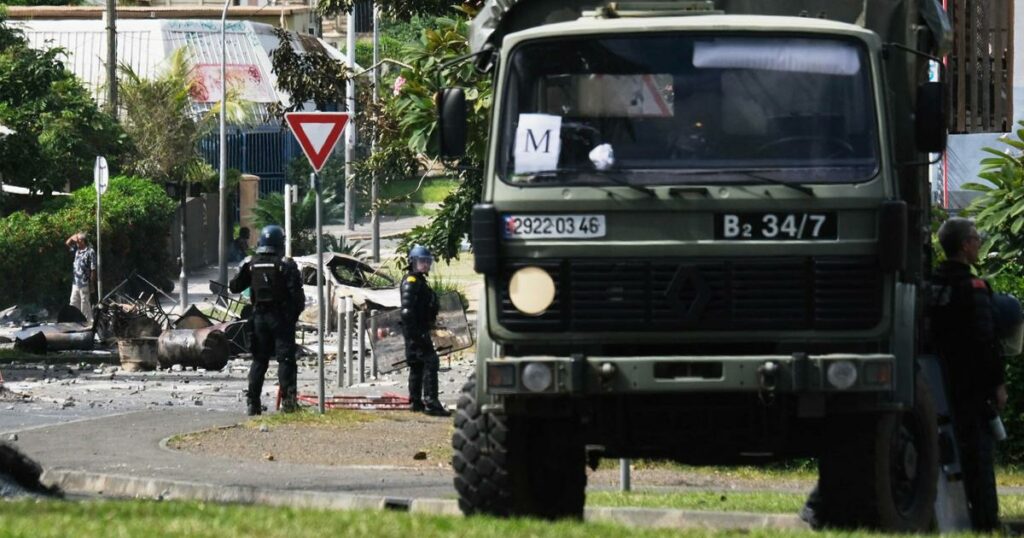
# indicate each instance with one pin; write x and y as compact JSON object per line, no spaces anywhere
{"x":203,"y":348}
{"x":59,"y":337}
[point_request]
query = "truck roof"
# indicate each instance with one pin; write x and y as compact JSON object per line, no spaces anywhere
{"x":498,"y":18}
{"x":747,"y":23}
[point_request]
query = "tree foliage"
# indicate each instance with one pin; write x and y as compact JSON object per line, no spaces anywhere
{"x":158,"y":117}
{"x":405,"y":121}
{"x":999,"y":210}
{"x":310,"y":76}
{"x":401,"y":10}
{"x":36,"y":266}
{"x":58,"y":129}
{"x":432,"y":72}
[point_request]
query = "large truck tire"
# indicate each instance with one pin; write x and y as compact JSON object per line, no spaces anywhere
{"x":881,"y":472}
{"x":512,"y":466}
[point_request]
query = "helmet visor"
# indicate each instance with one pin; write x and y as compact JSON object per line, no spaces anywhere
{"x":422,"y":264}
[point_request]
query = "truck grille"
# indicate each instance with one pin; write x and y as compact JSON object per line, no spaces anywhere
{"x":709,"y":294}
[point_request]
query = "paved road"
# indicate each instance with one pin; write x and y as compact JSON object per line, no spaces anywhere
{"x":129,"y":444}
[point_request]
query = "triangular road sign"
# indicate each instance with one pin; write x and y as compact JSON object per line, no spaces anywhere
{"x":317,"y":133}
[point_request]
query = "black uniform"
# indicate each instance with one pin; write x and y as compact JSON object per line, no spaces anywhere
{"x":419,"y":312}
{"x":277,"y":298}
{"x":963,"y":331}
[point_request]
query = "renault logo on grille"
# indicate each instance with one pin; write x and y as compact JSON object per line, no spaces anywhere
{"x":688,"y":294}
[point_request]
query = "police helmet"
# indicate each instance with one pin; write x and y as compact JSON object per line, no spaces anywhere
{"x":271,"y":240}
{"x":419,"y":253}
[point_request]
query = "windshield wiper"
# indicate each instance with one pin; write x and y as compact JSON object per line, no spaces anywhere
{"x":604,"y":174}
{"x":618,"y":180}
{"x":795,"y":186}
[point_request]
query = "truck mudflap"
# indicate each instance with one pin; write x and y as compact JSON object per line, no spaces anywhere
{"x":797,"y":373}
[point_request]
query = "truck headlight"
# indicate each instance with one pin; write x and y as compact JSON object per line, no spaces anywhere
{"x":531,"y":290}
{"x":537,"y":377}
{"x":842,"y":374}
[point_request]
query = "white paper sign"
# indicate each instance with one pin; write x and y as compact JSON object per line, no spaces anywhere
{"x":538,"y":143}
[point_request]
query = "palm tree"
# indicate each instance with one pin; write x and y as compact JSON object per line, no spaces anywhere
{"x":159,"y":117}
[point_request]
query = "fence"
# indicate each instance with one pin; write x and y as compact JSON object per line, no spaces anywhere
{"x":980,"y":67}
{"x":263,"y":152}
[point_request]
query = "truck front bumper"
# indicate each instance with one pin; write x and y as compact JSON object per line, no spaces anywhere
{"x":797,"y":373}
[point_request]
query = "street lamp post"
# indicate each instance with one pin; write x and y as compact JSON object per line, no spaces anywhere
{"x":222,"y":236}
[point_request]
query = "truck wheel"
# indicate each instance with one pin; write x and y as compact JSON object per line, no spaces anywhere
{"x":881,"y":472}
{"x":508,"y":466}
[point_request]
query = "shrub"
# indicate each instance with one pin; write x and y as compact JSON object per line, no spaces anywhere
{"x":1011,"y":280}
{"x":36,"y":266}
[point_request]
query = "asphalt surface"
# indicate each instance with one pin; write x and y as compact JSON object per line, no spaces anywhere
{"x":130,"y":444}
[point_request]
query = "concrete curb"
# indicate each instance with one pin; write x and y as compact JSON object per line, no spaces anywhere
{"x":111,"y":485}
{"x":668,"y":518}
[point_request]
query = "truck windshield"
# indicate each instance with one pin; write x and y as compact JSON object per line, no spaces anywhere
{"x":685,"y":108}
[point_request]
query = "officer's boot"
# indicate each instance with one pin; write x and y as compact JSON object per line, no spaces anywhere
{"x":254,"y":406}
{"x":416,"y":387}
{"x":433,"y":406}
{"x":289,"y":399}
{"x":286,"y":370}
{"x":256,"y":372}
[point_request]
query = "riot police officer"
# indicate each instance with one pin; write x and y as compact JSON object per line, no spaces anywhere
{"x":963,"y":329}
{"x":277,"y":299}
{"x":419,"y":311}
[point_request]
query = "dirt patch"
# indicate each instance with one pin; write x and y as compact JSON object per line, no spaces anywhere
{"x":403,"y":439}
{"x":397,"y":438}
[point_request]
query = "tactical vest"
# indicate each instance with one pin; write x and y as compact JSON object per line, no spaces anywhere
{"x":268,"y":285}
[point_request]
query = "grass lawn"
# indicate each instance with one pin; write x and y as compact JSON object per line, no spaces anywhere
{"x":432,"y":190}
{"x":409,"y":198}
{"x":1010,"y":506}
{"x":311,"y":417}
{"x":103,"y":519}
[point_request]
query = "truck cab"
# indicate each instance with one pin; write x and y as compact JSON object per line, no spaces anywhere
{"x":701,"y":241}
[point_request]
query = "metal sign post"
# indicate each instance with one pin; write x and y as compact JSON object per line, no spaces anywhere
{"x":101,"y":176}
{"x":315,"y":185}
{"x":317,"y":134}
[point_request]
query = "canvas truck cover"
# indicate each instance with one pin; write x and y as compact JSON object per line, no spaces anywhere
{"x":887,"y":18}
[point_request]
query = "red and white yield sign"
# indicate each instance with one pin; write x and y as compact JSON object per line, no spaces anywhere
{"x":317,"y":133}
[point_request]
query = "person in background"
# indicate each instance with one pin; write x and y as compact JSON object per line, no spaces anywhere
{"x":275,"y":286}
{"x":963,"y":331}
{"x":419,"y":312}
{"x":239,"y":246}
{"x":83,"y":273}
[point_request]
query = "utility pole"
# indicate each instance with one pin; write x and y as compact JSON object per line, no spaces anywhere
{"x":111,"y":15}
{"x":222,"y":234}
{"x":350,"y":107}
{"x":375,"y":186}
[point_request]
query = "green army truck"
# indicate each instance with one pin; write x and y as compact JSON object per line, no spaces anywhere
{"x":704,"y":236}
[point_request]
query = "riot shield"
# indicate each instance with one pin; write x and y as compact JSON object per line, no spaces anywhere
{"x":450,"y":333}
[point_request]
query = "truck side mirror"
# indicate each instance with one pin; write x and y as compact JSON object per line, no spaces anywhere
{"x":930,"y":117}
{"x":451,"y":125}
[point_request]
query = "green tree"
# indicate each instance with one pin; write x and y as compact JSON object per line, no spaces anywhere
{"x":158,"y":117}
{"x":1000,"y":208}
{"x":402,"y":10}
{"x":311,"y":76}
{"x":58,"y":129}
{"x":431,"y":72}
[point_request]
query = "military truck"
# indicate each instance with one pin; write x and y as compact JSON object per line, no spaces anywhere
{"x":704,"y":236}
